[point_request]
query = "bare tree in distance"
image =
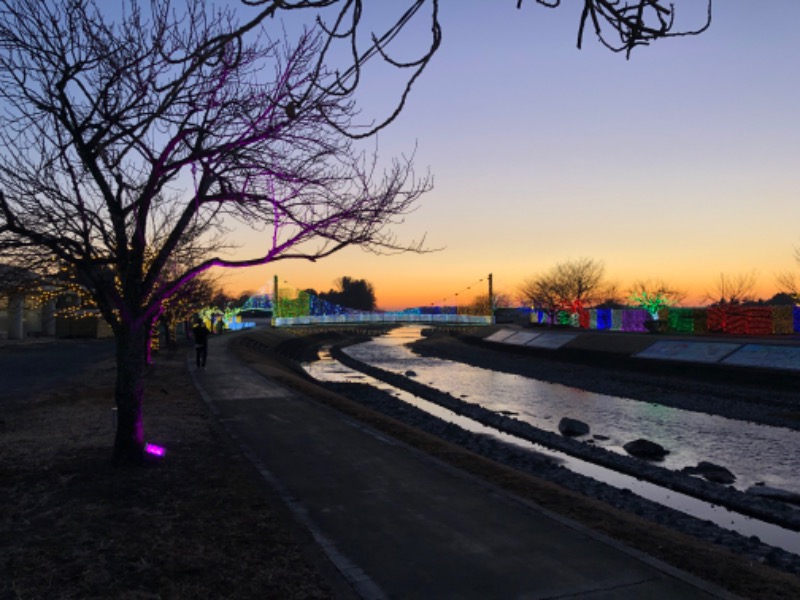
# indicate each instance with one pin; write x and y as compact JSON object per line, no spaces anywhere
{"x":611,"y":296}
{"x":127,"y":140}
{"x":734,"y":288}
{"x":543,"y":292}
{"x":788,"y":281}
{"x":570,"y":285}
{"x":583,"y":280}
{"x":503,"y":300}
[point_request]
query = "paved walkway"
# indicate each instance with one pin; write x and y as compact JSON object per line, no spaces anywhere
{"x":399,"y":524}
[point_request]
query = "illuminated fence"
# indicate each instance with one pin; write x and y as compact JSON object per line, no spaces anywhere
{"x":297,"y":307}
{"x":383,"y":317}
{"x":737,"y":320}
{"x":238,"y":324}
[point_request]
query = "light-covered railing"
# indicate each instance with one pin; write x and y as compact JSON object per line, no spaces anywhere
{"x":731,"y":319}
{"x":388,"y":317}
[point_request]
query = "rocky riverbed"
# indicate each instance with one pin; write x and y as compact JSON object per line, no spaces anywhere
{"x":734,"y":401}
{"x":760,"y":396}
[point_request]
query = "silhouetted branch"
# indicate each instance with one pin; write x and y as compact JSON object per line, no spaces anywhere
{"x":622,"y":25}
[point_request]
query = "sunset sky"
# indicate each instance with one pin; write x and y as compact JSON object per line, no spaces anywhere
{"x":680,"y":164}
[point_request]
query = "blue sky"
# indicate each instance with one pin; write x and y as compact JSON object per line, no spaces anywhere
{"x":680,"y":163}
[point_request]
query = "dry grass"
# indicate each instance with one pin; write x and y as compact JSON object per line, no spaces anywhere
{"x":196,"y":525}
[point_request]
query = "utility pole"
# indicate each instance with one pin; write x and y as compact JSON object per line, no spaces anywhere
{"x":491,"y":299}
{"x":274,"y":299}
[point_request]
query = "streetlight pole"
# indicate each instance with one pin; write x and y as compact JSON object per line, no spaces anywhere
{"x":274,"y":299}
{"x":491,"y":299}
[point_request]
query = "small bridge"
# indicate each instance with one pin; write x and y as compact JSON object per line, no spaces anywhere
{"x":291,"y":306}
{"x":383,"y":317}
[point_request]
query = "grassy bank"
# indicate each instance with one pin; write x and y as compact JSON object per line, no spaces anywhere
{"x":196,"y":525}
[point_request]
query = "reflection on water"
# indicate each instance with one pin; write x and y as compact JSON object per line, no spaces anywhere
{"x":754,"y":453}
{"x":327,"y":369}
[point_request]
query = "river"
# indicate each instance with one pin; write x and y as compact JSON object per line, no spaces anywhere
{"x":755,"y":453}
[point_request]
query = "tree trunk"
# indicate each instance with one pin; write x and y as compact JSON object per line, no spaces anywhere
{"x":129,"y":395}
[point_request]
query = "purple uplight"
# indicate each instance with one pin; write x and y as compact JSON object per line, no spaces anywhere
{"x":154,"y":450}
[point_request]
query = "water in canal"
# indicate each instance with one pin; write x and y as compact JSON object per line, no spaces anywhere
{"x":753,"y":452}
{"x":527,"y":397}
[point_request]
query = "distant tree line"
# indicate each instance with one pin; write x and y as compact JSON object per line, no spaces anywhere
{"x":576,"y":284}
{"x":357,"y":294}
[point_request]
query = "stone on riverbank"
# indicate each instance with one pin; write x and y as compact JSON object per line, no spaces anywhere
{"x":711,"y":472}
{"x":646,"y":449}
{"x":765,"y":491}
{"x":572,"y":427}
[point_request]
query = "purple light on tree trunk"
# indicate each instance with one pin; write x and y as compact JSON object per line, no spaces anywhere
{"x":154,"y":450}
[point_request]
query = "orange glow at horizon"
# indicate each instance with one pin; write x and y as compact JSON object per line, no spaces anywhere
{"x":396,"y":290}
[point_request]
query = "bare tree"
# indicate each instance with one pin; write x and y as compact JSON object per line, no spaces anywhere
{"x":543,"y":292}
{"x":501,"y":300}
{"x":570,"y":285}
{"x":734,"y":289}
{"x":128,"y":145}
{"x":582,"y":281}
{"x":788,"y":280}
{"x":788,"y":284}
{"x":610,"y":296}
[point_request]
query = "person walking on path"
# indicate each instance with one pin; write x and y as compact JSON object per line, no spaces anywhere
{"x":201,"y":333}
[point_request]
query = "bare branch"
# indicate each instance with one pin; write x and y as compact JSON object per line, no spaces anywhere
{"x":734,"y":289}
{"x":622,"y":25}
{"x":570,"y":285}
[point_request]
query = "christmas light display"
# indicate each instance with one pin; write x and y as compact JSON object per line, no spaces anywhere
{"x":652,"y":302}
{"x":259,"y":301}
{"x":681,"y":319}
{"x":782,"y":320}
{"x":70,"y":305}
{"x":739,"y":320}
{"x":604,"y":319}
